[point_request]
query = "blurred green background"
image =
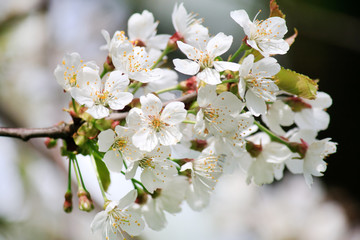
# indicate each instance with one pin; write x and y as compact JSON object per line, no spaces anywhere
{"x":35,"y":34}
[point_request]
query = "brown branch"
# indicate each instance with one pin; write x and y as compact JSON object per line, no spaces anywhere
{"x":66,"y":130}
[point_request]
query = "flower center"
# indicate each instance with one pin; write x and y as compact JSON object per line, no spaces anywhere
{"x":120,"y":144}
{"x":146,"y":163}
{"x":156,"y":123}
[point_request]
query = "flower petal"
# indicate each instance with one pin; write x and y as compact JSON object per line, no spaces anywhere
{"x":186,"y":66}
{"x":105,"y":140}
{"x":113,"y":160}
{"x":174,"y":113}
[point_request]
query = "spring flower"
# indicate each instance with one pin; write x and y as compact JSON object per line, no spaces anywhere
{"x":142,"y":31}
{"x":97,"y":94}
{"x":217,"y":114}
{"x":205,"y":172}
{"x":118,"y":147}
{"x":117,"y":219}
{"x":265,"y":36}
{"x":255,"y":83}
{"x":135,"y":62}
{"x":201,"y":61}
{"x":311,"y":114}
{"x":278,"y":114}
{"x":187,"y":27}
{"x":313,"y":163}
{"x":156,"y":168}
{"x":154,"y":125}
{"x":67,"y":72}
{"x":166,"y":199}
{"x":267,"y":159}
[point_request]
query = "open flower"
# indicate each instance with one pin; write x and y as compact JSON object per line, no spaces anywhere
{"x":203,"y":59}
{"x":118,"y":147}
{"x":97,"y":94}
{"x":155,"y":166}
{"x":265,"y":36}
{"x":255,"y":83}
{"x":142,"y":31}
{"x":313,"y":163}
{"x":154,"y":125}
{"x":205,"y":172}
{"x":218,"y":113}
{"x":66,"y":72}
{"x":136,"y":62}
{"x":187,"y":27}
{"x":117,"y":219}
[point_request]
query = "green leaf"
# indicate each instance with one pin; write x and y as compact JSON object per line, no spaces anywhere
{"x":103,"y":172}
{"x":296,"y":83}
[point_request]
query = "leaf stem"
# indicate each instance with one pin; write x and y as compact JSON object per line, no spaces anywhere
{"x":177,"y":87}
{"x":242,"y":47}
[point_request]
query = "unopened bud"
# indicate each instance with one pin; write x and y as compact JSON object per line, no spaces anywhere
{"x":50,"y":142}
{"x":108,"y":64}
{"x":85,"y":202}
{"x":68,"y":202}
{"x":189,"y":85}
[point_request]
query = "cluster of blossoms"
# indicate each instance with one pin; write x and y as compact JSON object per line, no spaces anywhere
{"x":247,"y":112}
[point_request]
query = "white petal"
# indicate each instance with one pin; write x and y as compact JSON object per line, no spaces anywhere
{"x":128,"y":199}
{"x":210,"y":76}
{"x":169,"y":136}
{"x":255,"y":104}
{"x":98,"y":221}
{"x":113,"y":160}
{"x":145,"y":139}
{"x":98,"y":111}
{"x":206,"y":95}
{"x":186,"y":66}
{"x":135,"y":118}
{"x":246,"y":65}
{"x":190,"y":51}
{"x":120,"y":100}
{"x":219,"y":44}
{"x":150,"y":104}
{"x":242,"y":18}
{"x":105,"y":140}
{"x":174,"y":113}
{"x":223,"y":65}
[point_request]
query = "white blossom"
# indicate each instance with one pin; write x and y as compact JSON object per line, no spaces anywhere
{"x":205,"y":172}
{"x":255,"y":83}
{"x":265,"y":36}
{"x":142,"y":31}
{"x":118,"y":147}
{"x":117,"y":218}
{"x":98,"y":94}
{"x":155,"y":125}
{"x":166,"y":199}
{"x":66,"y":73}
{"x":218,"y":113}
{"x":201,"y":61}
{"x":156,"y":168}
{"x":313,"y":163}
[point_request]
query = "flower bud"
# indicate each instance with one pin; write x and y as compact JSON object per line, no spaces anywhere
{"x":108,"y":64}
{"x":85,"y":202}
{"x":68,"y":202}
{"x":50,"y":142}
{"x":189,"y":85}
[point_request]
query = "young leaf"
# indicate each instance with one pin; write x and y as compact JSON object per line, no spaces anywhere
{"x":296,"y":83}
{"x":103,"y":172}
